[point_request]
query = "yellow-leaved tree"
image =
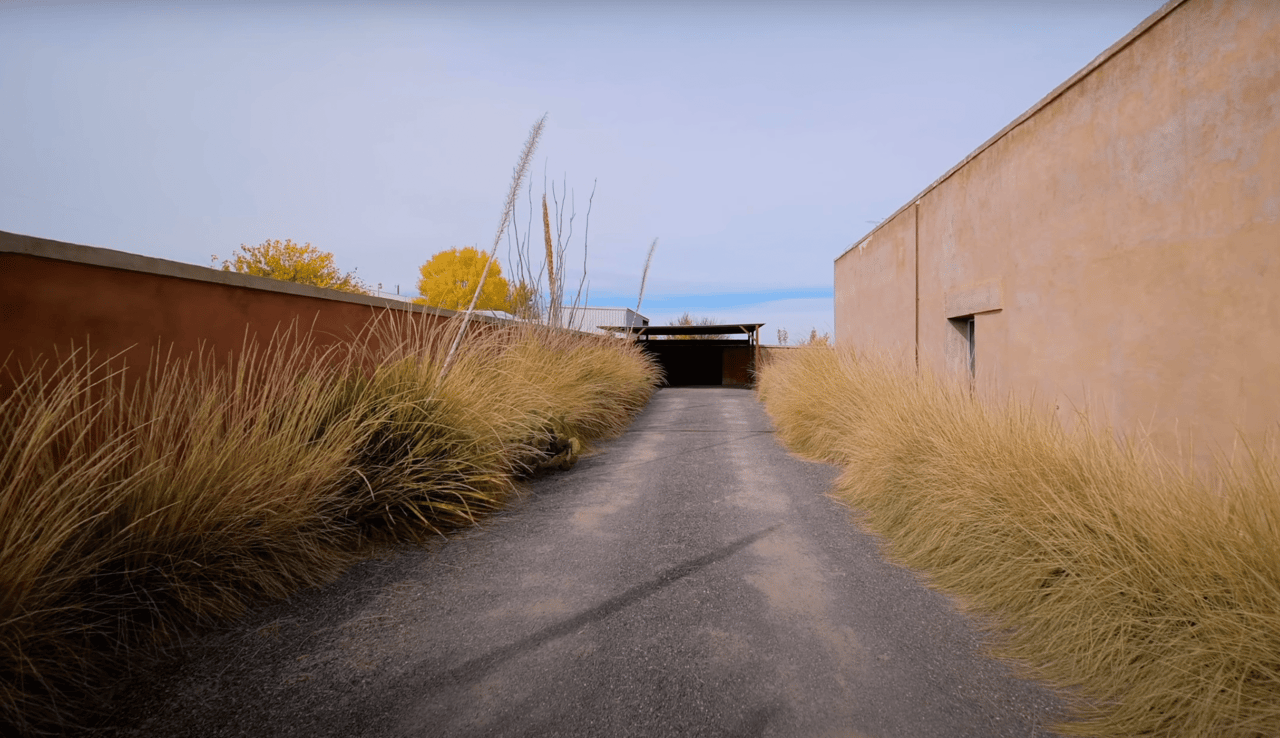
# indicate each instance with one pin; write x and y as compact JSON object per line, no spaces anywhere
{"x":450,"y":277}
{"x":291,"y":262}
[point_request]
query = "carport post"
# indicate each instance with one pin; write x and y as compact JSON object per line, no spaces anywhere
{"x":755,"y":353}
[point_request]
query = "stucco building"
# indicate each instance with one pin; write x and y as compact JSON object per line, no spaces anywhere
{"x":1116,"y":248}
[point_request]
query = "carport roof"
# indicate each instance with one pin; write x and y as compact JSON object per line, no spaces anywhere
{"x":685,"y":330}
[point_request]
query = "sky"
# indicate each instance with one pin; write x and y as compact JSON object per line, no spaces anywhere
{"x":756,"y":141}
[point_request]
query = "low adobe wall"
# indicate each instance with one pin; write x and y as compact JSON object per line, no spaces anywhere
{"x":54,"y":295}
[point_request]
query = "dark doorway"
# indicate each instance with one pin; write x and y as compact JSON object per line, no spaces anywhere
{"x":700,"y":354}
{"x":689,"y":362}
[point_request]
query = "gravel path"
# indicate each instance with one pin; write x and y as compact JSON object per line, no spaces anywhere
{"x":689,"y":579}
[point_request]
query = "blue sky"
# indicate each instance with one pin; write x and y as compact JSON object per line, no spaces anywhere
{"x":755,"y":140}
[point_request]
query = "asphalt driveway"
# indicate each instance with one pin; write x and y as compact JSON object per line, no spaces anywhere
{"x":689,"y":579}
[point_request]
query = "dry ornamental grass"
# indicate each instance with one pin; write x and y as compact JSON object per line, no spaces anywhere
{"x":1150,"y":595}
{"x":130,"y":510}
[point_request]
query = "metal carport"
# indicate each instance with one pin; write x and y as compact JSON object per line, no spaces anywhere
{"x":701,"y":361}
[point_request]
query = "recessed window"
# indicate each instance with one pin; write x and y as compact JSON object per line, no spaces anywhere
{"x":965,"y":327}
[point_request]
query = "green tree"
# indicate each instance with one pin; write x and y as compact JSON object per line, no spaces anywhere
{"x":291,"y":262}
{"x":450,"y":277}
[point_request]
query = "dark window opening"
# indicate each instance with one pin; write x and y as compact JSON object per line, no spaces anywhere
{"x":965,"y":327}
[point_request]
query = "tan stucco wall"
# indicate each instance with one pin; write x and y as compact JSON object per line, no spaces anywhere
{"x":54,"y":295}
{"x":1120,"y":243}
{"x":875,"y":290}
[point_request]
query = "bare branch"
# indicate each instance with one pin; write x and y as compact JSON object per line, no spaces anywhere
{"x":585,"y":230}
{"x":554,"y":311}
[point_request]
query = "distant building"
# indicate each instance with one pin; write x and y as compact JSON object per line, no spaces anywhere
{"x":498,"y":314}
{"x":589,"y":319}
{"x":390,"y":295}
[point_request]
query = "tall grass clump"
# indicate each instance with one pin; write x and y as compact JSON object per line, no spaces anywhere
{"x":137,"y":506}
{"x":1150,"y":595}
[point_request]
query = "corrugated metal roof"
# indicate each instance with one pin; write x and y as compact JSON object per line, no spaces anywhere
{"x":589,"y":318}
{"x":686,"y":330}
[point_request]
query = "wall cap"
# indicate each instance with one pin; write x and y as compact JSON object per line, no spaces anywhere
{"x":1057,"y":92}
{"x":44,"y":248}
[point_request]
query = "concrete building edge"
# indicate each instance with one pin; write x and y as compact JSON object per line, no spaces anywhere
{"x":1128,"y":39}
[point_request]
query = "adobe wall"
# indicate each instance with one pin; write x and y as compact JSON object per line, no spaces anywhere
{"x":876,"y":291}
{"x":1118,"y":245}
{"x":54,"y":294}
